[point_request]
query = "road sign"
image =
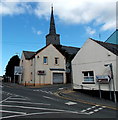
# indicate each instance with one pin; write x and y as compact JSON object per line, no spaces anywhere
{"x":103,"y":78}
{"x":18,"y":70}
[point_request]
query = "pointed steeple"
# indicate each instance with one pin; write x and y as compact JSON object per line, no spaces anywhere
{"x":52,"y":37}
{"x":52,"y":23}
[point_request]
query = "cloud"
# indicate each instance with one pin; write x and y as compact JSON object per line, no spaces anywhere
{"x":102,"y":12}
{"x":108,"y":25}
{"x":15,"y":8}
{"x":38,"y":32}
{"x":90,"y":31}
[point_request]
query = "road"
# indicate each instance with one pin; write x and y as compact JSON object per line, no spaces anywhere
{"x":48,"y":102}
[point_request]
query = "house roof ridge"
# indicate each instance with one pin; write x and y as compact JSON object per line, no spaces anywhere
{"x":109,"y":46}
{"x":70,"y":46}
{"x":103,"y":42}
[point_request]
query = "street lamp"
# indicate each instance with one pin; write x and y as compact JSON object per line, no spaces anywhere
{"x":112,"y":78}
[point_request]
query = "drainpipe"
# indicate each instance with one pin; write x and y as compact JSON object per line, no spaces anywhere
{"x":34,"y":70}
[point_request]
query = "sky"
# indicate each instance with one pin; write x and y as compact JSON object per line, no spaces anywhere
{"x":24,"y":24}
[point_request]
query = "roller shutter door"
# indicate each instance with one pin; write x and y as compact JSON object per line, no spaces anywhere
{"x":58,"y":78}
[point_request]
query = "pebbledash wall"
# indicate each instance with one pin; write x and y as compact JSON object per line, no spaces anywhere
{"x":51,"y":53}
{"x":26,"y":64}
{"x":32,"y":66}
{"x":92,"y":57}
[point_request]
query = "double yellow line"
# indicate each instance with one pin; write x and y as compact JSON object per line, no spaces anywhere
{"x":81,"y":101}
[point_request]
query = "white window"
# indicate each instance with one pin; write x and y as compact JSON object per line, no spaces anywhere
{"x":56,"y":61}
{"x":88,"y":76}
{"x":45,"y":60}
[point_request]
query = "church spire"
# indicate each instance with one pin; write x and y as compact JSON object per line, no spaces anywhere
{"x":52,"y":37}
{"x":52,"y":23}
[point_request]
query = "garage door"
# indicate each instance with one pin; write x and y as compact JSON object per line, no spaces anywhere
{"x":57,"y":78}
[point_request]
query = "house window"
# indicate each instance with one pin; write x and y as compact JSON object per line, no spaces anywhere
{"x":45,"y":60}
{"x":88,"y":76}
{"x":56,"y":61}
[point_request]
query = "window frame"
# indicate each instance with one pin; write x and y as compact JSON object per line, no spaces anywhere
{"x":92,"y":81}
{"x":45,"y":63}
{"x":56,"y":58}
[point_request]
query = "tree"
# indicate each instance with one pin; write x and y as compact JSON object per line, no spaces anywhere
{"x":14,"y":61}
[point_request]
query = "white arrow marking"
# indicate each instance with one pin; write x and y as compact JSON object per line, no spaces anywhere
{"x":71,"y":103}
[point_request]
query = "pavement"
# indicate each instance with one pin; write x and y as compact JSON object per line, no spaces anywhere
{"x":84,"y":98}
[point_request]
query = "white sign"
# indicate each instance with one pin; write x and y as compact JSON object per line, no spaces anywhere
{"x":103,"y":78}
{"x":18,"y":70}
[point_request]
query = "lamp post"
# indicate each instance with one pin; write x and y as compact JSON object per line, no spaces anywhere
{"x":112,"y":78}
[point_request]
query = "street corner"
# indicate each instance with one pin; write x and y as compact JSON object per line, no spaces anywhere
{"x":75,"y":96}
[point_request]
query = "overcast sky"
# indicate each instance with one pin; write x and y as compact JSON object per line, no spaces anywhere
{"x":25,"y":24}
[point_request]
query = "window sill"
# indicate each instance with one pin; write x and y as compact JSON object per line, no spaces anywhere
{"x":56,"y":64}
{"x":88,"y":82}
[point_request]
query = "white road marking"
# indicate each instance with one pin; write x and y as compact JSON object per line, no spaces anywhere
{"x":12,"y":112}
{"x":100,"y":108}
{"x":88,"y":108}
{"x":104,"y":106}
{"x":27,"y":102}
{"x":40,"y":114}
{"x":71,"y":103}
{"x":59,"y":110}
{"x":91,"y":112}
{"x":93,"y":107}
{"x":17,"y":99}
{"x":35,"y":90}
{"x":5,"y":99}
{"x":29,"y":114}
{"x":48,"y":92}
{"x":50,"y":98}
{"x":83,"y":110}
{"x":96,"y":110}
{"x":42,"y":91}
{"x":61,"y":88}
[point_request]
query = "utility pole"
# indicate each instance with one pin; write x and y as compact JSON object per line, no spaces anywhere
{"x":112,"y":77}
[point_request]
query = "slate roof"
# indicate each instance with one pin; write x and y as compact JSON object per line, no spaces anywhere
{"x":28,"y":54}
{"x":109,"y":46}
{"x":67,"y":51}
{"x":70,"y":50}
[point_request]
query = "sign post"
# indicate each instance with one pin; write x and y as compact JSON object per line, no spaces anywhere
{"x":103,"y":79}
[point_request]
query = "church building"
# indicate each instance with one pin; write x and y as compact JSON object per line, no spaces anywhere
{"x":49,"y":65}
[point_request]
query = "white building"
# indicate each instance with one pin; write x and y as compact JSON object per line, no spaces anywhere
{"x":92,"y":62}
{"x":49,"y":65}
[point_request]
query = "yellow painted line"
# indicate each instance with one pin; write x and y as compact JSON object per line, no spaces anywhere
{"x":85,"y":102}
{"x":68,"y":91}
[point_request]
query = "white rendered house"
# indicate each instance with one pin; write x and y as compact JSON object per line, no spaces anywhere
{"x":93,"y":61}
